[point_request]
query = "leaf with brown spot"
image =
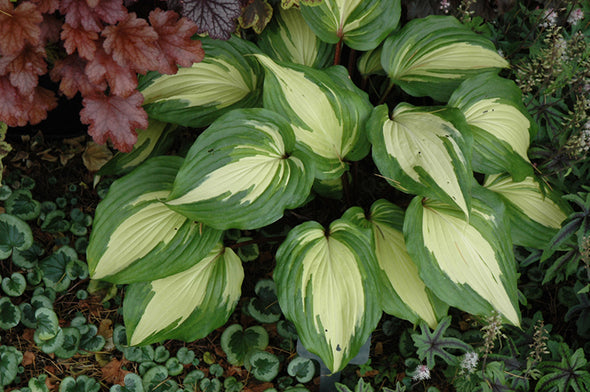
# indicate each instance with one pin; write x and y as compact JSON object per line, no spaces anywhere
{"x":256,"y":15}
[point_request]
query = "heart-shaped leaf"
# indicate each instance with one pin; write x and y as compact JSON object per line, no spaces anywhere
{"x":327,"y":112}
{"x":535,"y":215}
{"x":237,"y":342}
{"x":15,"y":234}
{"x":403,"y":293}
{"x":326,"y":286}
{"x":133,"y":211}
{"x":246,"y":165}
{"x":9,"y":314}
{"x":470,"y":263}
{"x":361,"y":24}
{"x":187,"y":305}
{"x":433,"y":55}
{"x":289,"y":38}
{"x":228,"y":78}
{"x":501,"y":126}
{"x":421,"y":151}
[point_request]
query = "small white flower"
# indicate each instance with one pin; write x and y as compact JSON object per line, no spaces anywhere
{"x":469,"y":362}
{"x":549,"y":18}
{"x":422,"y":373}
{"x":575,"y":16}
{"x":445,"y":5}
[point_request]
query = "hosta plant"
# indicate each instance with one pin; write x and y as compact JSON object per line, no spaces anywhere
{"x":423,"y":192}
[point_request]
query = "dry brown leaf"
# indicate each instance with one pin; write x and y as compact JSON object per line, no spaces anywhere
{"x":20,"y":156}
{"x":65,"y":157}
{"x":28,"y":358}
{"x":95,"y":156}
{"x":46,"y":156}
{"x":113,"y":373}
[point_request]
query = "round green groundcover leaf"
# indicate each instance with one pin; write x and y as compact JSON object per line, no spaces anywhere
{"x":14,"y":285}
{"x":21,"y":204}
{"x":245,"y":164}
{"x":10,"y":359}
{"x":237,"y":342}
{"x":303,"y":369}
{"x":264,"y":365}
{"x":15,"y":234}
{"x":81,"y":383}
{"x":55,"y":268}
{"x":9,"y":314}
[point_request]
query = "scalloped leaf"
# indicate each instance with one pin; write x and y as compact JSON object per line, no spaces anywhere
{"x":327,"y":112}
{"x":133,"y":212}
{"x":226,"y":79}
{"x":289,"y":38}
{"x":15,"y":234}
{"x":431,"y":56}
{"x":501,"y":126}
{"x":468,"y":264}
{"x":10,"y":314}
{"x":246,"y":165}
{"x":325,"y":284}
{"x":420,"y":151}
{"x":403,"y":293}
{"x":361,"y":24}
{"x":238,"y":342}
{"x":535,"y":216}
{"x":187,"y":305}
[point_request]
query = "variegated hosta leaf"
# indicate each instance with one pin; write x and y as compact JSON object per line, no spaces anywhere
{"x":327,"y":112}
{"x":370,"y":62}
{"x":227,"y":78}
{"x":135,"y":237}
{"x":420,"y":151}
{"x":402,"y":291}
{"x":289,"y":38}
{"x":433,"y":55}
{"x":187,"y":305}
{"x":469,"y":264}
{"x":501,"y":126}
{"x":535,"y":216}
{"x":242,"y":172}
{"x":361,"y":24}
{"x":326,"y":287}
{"x":150,"y":142}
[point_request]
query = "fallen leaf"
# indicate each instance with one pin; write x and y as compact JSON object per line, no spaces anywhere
{"x":113,"y":373}
{"x":64,"y":158}
{"x":28,"y":358}
{"x":95,"y":156}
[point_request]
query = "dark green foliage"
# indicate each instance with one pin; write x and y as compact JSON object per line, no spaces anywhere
{"x":435,"y":344}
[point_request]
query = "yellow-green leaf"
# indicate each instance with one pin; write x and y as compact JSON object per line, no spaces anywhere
{"x":187,"y":305}
{"x":419,"y":151}
{"x":467,"y":263}
{"x":325,"y":285}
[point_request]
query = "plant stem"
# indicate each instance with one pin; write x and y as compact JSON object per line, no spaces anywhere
{"x":386,"y":93}
{"x":338,"y":52}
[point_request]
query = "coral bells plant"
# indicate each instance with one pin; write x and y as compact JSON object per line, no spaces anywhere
{"x":92,"y":47}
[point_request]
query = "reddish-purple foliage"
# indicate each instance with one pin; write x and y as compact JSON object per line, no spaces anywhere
{"x":106,"y":48}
